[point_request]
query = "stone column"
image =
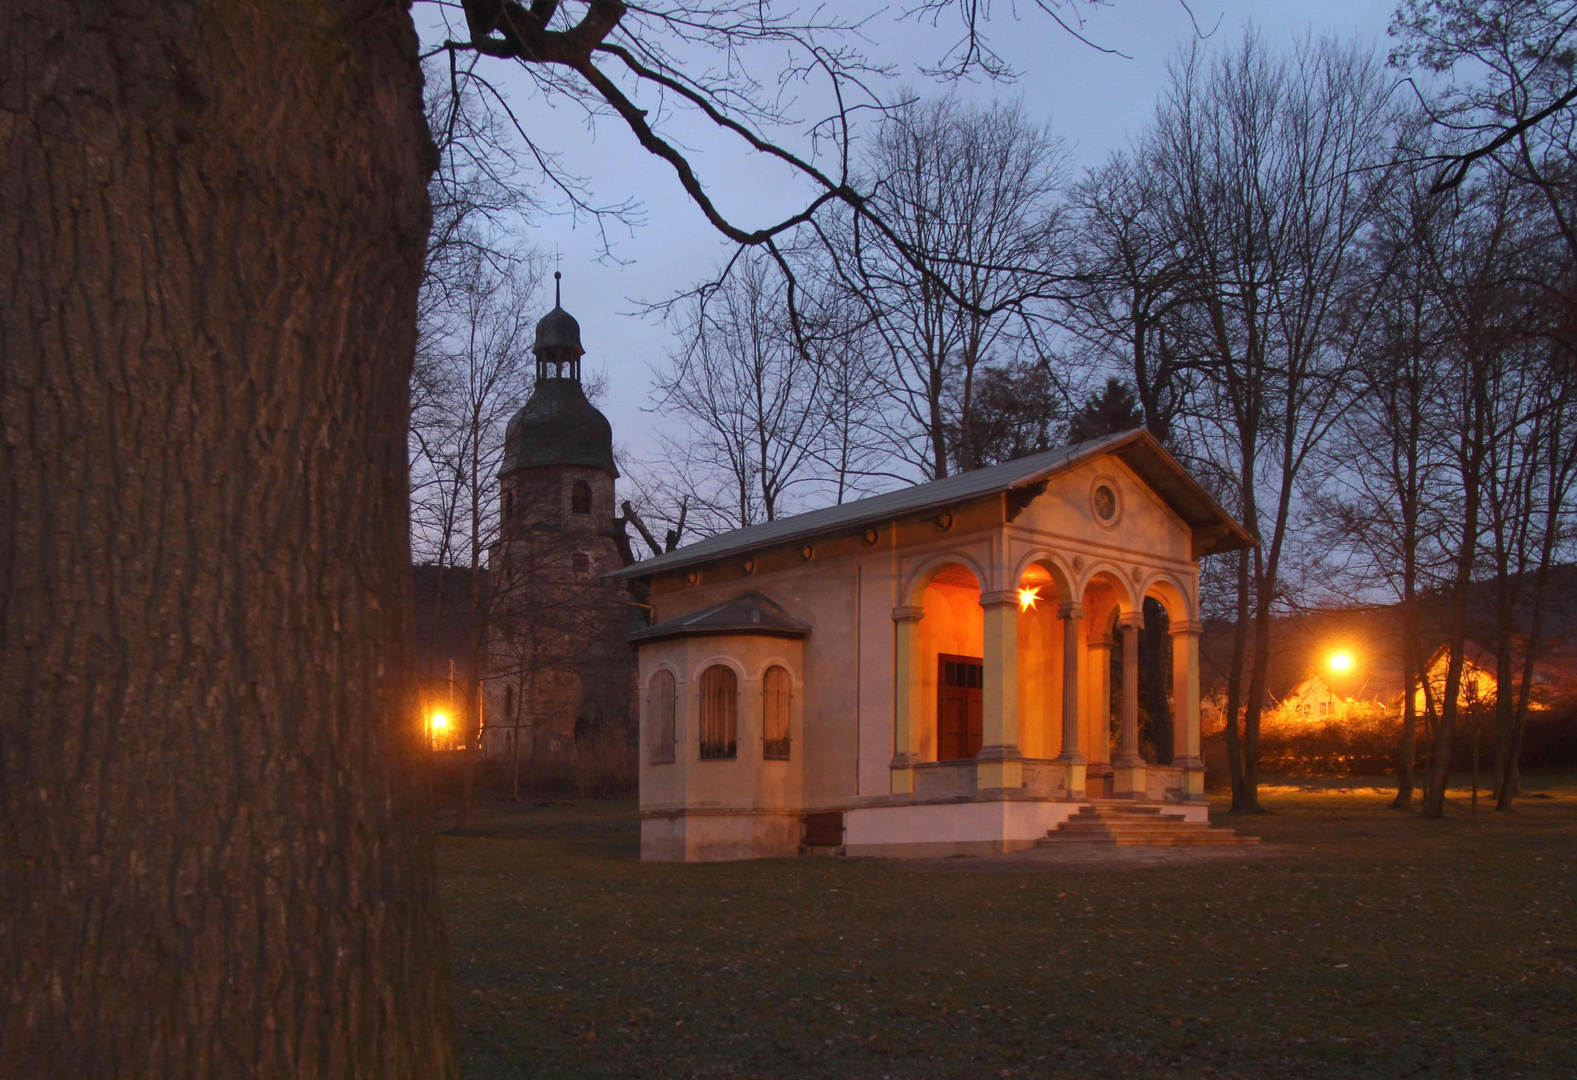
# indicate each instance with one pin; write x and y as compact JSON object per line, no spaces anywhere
{"x":1185,"y":708}
{"x":1128,"y":770}
{"x":1098,"y":773}
{"x":999,"y":765}
{"x":1072,"y":615}
{"x":906,"y":697}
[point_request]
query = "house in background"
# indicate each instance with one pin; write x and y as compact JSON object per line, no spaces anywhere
{"x":925,"y":672}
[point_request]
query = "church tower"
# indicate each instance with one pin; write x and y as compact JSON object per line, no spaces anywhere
{"x":561,"y":673}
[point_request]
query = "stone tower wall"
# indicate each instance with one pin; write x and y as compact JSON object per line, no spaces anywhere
{"x":562,"y":668}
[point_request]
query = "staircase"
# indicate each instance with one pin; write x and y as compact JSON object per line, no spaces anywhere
{"x":1129,"y":825}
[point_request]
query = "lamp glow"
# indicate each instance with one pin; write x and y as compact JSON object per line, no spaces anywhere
{"x":439,"y":722}
{"x":1027,"y":597}
{"x":1341,"y":661}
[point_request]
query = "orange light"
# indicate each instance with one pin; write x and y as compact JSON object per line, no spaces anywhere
{"x":439,"y":722}
{"x":1027,"y":597}
{"x":1341,"y":661}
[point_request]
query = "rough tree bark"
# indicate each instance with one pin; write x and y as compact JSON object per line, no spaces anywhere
{"x":215,"y":859}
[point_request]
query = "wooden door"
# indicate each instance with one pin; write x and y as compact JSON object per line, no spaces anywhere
{"x":960,"y":710}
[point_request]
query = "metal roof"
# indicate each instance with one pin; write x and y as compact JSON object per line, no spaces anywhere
{"x":558,"y":426}
{"x":750,"y":613}
{"x":1138,"y":449}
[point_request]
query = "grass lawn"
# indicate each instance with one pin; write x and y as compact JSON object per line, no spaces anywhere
{"x":1358,"y":942}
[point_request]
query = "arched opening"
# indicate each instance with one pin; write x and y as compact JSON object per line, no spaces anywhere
{"x":952,"y":650}
{"x":1106,"y":599}
{"x":719,"y":713}
{"x":580,"y":498}
{"x":775,"y":692}
{"x":1042,"y":590}
{"x":660,"y":698}
{"x":1152,"y":685}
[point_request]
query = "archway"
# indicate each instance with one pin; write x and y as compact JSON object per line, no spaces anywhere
{"x":951,"y":664}
{"x":1108,"y":607}
{"x":1043,"y":595}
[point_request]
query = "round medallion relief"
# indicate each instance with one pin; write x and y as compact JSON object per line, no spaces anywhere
{"x":1105,"y":501}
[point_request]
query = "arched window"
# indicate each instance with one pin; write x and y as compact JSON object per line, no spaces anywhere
{"x":660,"y":717}
{"x":509,"y":506}
{"x":580,"y":563}
{"x":775,"y":714}
{"x":580,"y":498}
{"x":509,"y":700}
{"x":719,"y":712}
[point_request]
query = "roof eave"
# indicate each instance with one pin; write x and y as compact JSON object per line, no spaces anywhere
{"x":1232,"y":536}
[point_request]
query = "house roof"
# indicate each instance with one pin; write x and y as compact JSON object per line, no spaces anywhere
{"x":1215,"y":530}
{"x":751,"y":613}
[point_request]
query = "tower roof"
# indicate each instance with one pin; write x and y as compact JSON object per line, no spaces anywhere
{"x":558,"y":426}
{"x":558,"y":328}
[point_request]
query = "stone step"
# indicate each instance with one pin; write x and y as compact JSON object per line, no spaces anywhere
{"x":1216,"y":838}
{"x":1126,"y":825}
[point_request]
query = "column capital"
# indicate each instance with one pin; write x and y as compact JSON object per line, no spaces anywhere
{"x":908,"y":613}
{"x":999,"y":598}
{"x":1187,"y":626}
{"x":1131,"y":620}
{"x":1070,"y":611}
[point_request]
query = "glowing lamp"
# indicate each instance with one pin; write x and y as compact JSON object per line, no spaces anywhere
{"x":439,"y":722}
{"x":1027,"y":597}
{"x":1341,"y":661}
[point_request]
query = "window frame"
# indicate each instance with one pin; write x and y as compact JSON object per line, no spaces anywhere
{"x":781,"y":747}
{"x":578,"y":489}
{"x":658,"y":750}
{"x":719,"y":735}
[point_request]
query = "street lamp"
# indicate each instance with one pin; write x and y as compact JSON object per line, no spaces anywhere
{"x":1341,"y":661}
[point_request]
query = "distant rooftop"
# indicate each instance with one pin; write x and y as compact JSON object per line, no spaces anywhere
{"x":1212,"y":525}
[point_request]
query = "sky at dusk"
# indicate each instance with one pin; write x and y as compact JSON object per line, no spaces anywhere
{"x":1094,"y":100}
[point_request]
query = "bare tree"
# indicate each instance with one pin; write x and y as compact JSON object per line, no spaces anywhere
{"x":750,"y":397}
{"x":1135,"y":314}
{"x":1386,"y":502}
{"x":1509,"y":104}
{"x":1272,"y":166}
{"x":970,"y":196}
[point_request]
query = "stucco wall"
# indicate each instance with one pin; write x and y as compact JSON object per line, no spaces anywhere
{"x":847,"y":587}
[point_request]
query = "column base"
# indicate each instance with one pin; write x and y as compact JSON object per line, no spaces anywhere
{"x":901,"y":780}
{"x":1077,"y":768}
{"x":1128,"y":780}
{"x":999,"y":768}
{"x":1193,"y":779}
{"x":1098,"y":780}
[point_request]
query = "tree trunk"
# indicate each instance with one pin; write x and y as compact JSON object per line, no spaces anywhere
{"x":1235,"y":683}
{"x":1409,"y":748}
{"x":1472,"y":456}
{"x":216,"y":859}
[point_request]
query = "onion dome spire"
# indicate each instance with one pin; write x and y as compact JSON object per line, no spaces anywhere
{"x":558,"y":341}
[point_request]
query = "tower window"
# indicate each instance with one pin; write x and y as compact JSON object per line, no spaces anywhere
{"x":509,"y":506}
{"x":580,"y":498}
{"x":580,"y":563}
